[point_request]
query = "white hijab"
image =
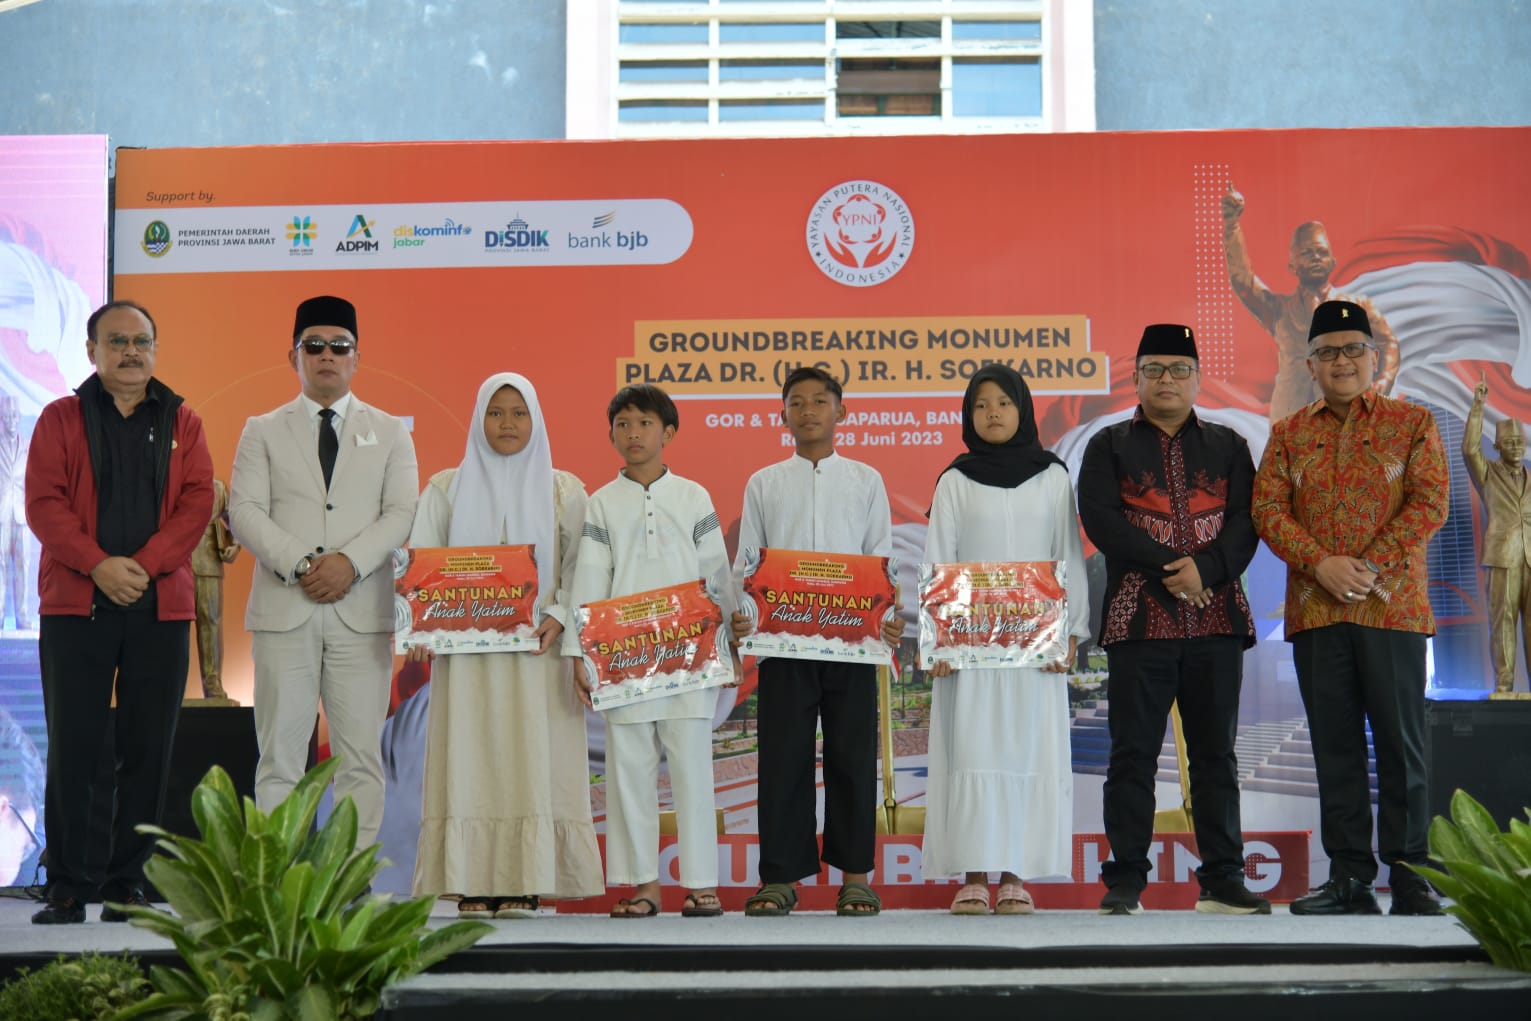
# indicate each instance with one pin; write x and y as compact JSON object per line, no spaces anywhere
{"x":498,"y":500}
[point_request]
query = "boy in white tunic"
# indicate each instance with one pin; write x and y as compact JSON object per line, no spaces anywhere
{"x":816,"y":500}
{"x":649,"y":528}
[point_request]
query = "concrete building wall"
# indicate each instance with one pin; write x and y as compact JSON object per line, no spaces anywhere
{"x":159,"y":73}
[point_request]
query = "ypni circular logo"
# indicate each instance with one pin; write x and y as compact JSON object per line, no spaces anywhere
{"x":860,"y":233}
{"x":156,"y":240}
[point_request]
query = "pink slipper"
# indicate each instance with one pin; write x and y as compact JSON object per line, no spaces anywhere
{"x":1013,"y":899}
{"x":972,"y":899}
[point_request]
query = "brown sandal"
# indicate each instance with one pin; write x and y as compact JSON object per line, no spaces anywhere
{"x":701,"y":905}
{"x":524,"y":906}
{"x":621,"y":908}
{"x":478,"y":907}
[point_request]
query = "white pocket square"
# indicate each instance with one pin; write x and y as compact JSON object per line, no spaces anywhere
{"x":369,"y":440}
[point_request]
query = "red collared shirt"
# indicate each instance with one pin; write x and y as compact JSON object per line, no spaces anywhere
{"x":1373,"y":486}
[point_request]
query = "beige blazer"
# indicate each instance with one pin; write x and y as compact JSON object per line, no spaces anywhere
{"x":279,"y":510}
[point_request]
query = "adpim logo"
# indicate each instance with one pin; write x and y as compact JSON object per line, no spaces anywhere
{"x":359,"y":237}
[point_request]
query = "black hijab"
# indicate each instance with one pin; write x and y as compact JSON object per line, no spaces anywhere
{"x":1004,"y":465}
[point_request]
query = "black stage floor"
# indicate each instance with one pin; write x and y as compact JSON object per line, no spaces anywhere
{"x":920,"y":964}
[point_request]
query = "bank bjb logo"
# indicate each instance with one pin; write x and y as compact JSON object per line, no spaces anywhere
{"x":518,"y":235}
{"x":860,"y":233}
{"x":156,"y":240}
{"x":359,"y":238}
{"x":301,"y":233}
{"x":601,"y":238}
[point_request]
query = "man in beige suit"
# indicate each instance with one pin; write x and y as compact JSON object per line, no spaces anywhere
{"x":323,"y":490}
{"x":1506,"y":492}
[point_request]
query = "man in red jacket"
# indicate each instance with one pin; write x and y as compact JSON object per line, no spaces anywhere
{"x":119,"y":488}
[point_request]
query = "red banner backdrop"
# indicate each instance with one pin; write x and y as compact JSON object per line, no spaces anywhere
{"x":900,"y":264}
{"x":1276,"y":868}
{"x":1048,"y":251}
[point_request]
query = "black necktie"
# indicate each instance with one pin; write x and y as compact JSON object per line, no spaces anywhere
{"x":329,"y":443}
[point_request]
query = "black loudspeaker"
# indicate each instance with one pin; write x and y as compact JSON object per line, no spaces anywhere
{"x":205,"y":736}
{"x":1484,"y":748}
{"x":209,"y":736}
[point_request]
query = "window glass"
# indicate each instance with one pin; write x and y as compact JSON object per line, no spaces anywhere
{"x":887,"y":29}
{"x":696,"y":33}
{"x":770,"y":109}
{"x":768,"y":70}
{"x":996,"y":88}
{"x":664,"y":71}
{"x":737,"y":32}
{"x":996,"y":29}
{"x":663,"y":110}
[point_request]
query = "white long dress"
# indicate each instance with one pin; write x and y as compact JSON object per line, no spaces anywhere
{"x":506,"y":801}
{"x":999,"y":797}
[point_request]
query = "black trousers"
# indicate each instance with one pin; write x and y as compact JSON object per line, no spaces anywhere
{"x":1348,"y":675}
{"x":794,"y":695}
{"x":1144,"y":677}
{"x":81,"y":658}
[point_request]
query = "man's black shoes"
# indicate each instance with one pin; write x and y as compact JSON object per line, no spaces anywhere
{"x":1338,"y":897}
{"x":63,"y":911}
{"x":1230,"y":897}
{"x":1412,"y":895}
{"x":1120,"y":900}
{"x":135,"y":899}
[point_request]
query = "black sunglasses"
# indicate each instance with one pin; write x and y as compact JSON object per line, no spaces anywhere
{"x":337,"y":347}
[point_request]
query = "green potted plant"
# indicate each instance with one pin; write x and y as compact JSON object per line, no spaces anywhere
{"x":85,"y":988}
{"x":274,"y":921}
{"x":1487,"y":875}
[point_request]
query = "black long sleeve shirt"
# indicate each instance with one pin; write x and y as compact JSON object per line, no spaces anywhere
{"x":1147,"y":498}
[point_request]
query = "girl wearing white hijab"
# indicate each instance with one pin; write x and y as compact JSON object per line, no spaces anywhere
{"x":505,"y":815}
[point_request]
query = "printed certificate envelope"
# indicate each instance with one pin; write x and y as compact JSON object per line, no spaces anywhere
{"x":993,"y":615}
{"x":809,"y":605}
{"x":654,"y":644}
{"x":458,"y":599}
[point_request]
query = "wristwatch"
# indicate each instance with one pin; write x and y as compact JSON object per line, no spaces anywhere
{"x":304,"y":566}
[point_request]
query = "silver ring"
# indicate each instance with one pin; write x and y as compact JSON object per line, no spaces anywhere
{"x":1182,"y":595}
{"x":1350,"y":595}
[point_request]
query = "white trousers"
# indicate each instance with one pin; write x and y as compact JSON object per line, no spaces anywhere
{"x":351,"y":672}
{"x":632,"y":801}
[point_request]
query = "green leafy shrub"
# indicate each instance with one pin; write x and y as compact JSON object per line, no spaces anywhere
{"x":85,"y":988}
{"x":1488,"y":877}
{"x":274,"y":921}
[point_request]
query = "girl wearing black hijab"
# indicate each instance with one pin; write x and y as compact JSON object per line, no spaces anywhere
{"x":999,"y":797}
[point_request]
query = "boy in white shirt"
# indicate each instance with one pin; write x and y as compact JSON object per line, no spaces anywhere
{"x":816,"y":500}
{"x":649,"y":528}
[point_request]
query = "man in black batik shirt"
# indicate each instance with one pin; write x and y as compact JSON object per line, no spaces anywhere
{"x":1165,"y":497}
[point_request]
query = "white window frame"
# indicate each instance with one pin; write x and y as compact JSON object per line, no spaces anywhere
{"x":593,"y":91}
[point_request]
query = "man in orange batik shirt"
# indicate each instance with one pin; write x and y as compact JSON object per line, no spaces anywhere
{"x":1348,"y":493}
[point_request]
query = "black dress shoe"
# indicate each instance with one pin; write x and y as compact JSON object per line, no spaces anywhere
{"x":1413,"y":896}
{"x":1338,"y":897}
{"x":66,"y":911}
{"x":135,"y":899}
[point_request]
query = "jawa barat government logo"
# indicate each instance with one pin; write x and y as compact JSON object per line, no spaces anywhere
{"x":860,"y":233}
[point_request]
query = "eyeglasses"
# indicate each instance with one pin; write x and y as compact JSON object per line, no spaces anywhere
{"x":337,"y":347}
{"x":140,"y":344}
{"x":1351,"y":350}
{"x":1154,"y":370}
